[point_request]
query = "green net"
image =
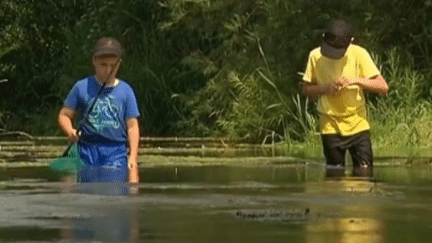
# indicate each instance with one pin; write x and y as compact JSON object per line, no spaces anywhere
{"x":70,"y":163}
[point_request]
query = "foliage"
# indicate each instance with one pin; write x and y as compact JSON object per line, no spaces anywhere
{"x":43,"y":55}
{"x":211,"y":67}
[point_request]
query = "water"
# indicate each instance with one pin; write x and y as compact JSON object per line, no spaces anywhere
{"x":301,"y":203}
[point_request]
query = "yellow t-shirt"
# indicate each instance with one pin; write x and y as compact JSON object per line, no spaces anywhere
{"x":344,"y":112}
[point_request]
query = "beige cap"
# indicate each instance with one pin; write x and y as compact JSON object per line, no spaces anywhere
{"x":107,"y":45}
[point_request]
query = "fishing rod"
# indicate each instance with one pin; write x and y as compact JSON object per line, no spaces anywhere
{"x":85,"y":116}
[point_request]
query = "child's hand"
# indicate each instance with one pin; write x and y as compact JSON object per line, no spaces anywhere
{"x":133,"y":170}
{"x":73,"y":136}
{"x":133,"y":177}
{"x":331,"y":88}
{"x":344,"y":82}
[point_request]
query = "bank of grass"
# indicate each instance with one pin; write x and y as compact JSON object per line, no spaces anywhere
{"x":310,"y":148}
{"x":390,"y":140}
{"x":400,"y":141}
{"x":407,"y":134}
{"x":401,"y":122}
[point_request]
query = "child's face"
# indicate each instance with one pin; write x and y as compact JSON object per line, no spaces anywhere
{"x":103,"y":66}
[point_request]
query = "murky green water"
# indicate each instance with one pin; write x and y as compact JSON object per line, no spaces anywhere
{"x":221,"y":204}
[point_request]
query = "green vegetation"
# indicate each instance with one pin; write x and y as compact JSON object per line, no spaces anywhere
{"x":223,"y":68}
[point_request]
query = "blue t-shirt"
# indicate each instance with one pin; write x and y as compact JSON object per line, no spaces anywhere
{"x":106,"y":123}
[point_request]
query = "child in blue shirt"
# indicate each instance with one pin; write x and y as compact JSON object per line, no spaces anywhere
{"x":111,"y":126}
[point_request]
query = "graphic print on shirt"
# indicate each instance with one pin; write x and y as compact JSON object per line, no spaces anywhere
{"x":105,"y":114}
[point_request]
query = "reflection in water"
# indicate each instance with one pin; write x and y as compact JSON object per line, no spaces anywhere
{"x":347,"y":230}
{"x":223,"y":203}
{"x":368,"y":228}
{"x":340,"y":179}
{"x":339,"y":172}
{"x":117,"y":224}
{"x":103,"y":180}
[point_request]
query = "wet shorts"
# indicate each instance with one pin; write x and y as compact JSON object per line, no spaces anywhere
{"x":103,"y":180}
{"x":111,"y":155}
{"x":106,"y":169}
{"x":103,"y":174}
{"x":359,"y":146}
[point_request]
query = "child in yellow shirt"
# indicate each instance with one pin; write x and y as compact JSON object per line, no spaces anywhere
{"x":337,"y":73}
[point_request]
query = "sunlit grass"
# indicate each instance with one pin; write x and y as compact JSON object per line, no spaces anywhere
{"x":402,"y":136}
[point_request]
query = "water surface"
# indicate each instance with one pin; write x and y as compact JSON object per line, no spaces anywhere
{"x":269,"y":203}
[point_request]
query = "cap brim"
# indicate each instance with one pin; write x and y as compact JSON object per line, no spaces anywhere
{"x":331,"y":52}
{"x":108,"y":51}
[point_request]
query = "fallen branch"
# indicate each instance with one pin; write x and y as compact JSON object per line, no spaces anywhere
{"x":17,"y":133}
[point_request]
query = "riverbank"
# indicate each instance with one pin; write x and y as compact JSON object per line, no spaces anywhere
{"x":175,"y":151}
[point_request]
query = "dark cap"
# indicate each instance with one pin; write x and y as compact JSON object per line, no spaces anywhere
{"x":106,"y":46}
{"x":337,"y":39}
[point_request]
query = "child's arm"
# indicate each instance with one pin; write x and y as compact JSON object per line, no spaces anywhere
{"x":133,"y":140}
{"x":315,"y":90}
{"x":65,"y":119}
{"x":375,"y":84}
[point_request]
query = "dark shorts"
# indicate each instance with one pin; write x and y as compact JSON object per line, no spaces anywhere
{"x":359,"y":146}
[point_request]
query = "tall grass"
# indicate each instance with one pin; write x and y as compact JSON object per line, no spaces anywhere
{"x":401,"y":122}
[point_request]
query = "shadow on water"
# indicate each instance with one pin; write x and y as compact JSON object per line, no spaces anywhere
{"x":272,"y":203}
